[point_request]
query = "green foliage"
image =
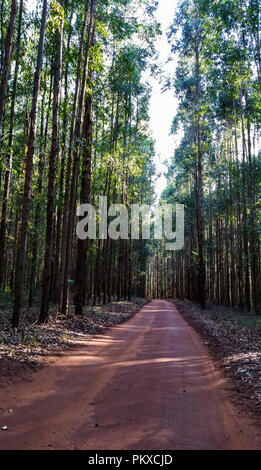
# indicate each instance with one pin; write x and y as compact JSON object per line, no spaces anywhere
{"x":228,"y":36}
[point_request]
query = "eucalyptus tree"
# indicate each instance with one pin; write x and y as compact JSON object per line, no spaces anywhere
{"x":191,"y":88}
{"x":219,"y":99}
{"x":6,"y":60}
{"x":9,"y":159}
{"x":22,"y":238}
{"x":78,"y":119}
{"x":59,"y":12}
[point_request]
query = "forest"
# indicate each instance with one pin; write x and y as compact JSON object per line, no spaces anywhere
{"x":74,"y":125}
{"x":74,"y":120}
{"x":216,"y":169}
{"x":136,"y":344}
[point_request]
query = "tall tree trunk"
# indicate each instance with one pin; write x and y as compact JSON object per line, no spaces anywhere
{"x":62,"y":171}
{"x":2,"y":5}
{"x":6,"y":62}
{"x":81,"y":260}
{"x":74,"y":179}
{"x":51,"y":176}
{"x":10,"y":143}
{"x":69,"y":162}
{"x":200,"y":208}
{"x":37,"y":215}
{"x":22,"y":238}
{"x":245,"y":223}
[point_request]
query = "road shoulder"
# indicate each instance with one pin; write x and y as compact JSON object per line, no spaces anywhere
{"x":235,"y":347}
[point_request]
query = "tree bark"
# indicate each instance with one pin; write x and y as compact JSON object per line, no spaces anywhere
{"x":69,"y":162}
{"x":51,"y":176}
{"x":9,"y":160}
{"x":81,"y":260}
{"x":74,"y":179}
{"x":7,"y":60}
{"x":22,"y":238}
{"x":200,"y":204}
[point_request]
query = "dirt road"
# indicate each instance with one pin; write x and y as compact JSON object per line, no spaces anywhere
{"x":147,"y":384}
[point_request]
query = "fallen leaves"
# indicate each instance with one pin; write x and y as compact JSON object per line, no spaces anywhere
{"x":25,"y":349}
{"x":234,"y":338}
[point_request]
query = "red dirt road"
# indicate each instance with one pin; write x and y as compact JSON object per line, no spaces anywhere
{"x":147,"y":384}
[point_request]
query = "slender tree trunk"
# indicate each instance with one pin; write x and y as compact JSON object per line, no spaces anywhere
{"x":74,"y":179}
{"x":1,"y":34}
{"x":37,"y":215}
{"x":10,"y":144}
{"x":62,"y":174}
{"x":245,"y":224}
{"x":7,"y":60}
{"x":51,"y":176}
{"x":22,"y":238}
{"x":200,"y":208}
{"x":69,"y":162}
{"x":81,"y":260}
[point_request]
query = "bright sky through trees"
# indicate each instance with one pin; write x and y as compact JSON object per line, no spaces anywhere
{"x":163,"y":105}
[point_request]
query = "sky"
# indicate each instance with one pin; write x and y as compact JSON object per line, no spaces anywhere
{"x":163,"y":106}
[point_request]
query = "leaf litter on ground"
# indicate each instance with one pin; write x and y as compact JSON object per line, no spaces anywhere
{"x":234,"y":338}
{"x":27,"y":347}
